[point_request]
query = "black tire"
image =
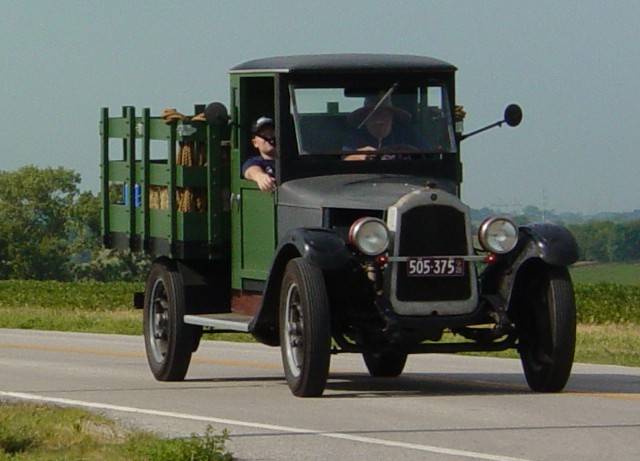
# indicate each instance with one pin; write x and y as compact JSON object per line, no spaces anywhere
{"x":305,"y":328}
{"x":385,"y":364}
{"x":168,"y":341}
{"x":547,"y":328}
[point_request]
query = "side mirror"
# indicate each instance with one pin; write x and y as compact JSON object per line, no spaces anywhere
{"x":513,"y":115}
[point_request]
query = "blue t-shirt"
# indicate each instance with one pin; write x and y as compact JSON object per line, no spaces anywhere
{"x":268,"y":166}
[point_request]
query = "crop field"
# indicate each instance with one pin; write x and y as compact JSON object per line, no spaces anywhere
{"x":608,"y":314}
{"x":82,"y":306}
{"x":603,"y":303}
{"x":620,"y":273}
{"x":91,"y":307}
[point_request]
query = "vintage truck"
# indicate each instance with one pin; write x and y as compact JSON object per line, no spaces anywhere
{"x":376,"y":257}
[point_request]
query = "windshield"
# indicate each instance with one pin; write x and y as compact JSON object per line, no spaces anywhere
{"x":390,"y":119}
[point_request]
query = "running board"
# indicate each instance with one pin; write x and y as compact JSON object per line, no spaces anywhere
{"x":228,"y":321}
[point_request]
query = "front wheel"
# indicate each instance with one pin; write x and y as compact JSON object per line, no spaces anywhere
{"x":547,"y":326}
{"x":305,"y":329}
{"x":169,"y":342}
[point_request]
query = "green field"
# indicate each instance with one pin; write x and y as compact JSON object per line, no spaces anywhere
{"x":91,"y":307}
{"x":620,"y":273}
{"x":608,"y":313}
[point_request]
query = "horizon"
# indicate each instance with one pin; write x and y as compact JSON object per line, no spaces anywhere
{"x":505,"y":209}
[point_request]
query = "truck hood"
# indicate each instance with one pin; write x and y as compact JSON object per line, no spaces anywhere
{"x":364,"y":191}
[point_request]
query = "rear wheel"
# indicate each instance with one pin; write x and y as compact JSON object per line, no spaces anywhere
{"x":305,"y":329}
{"x":169,"y":342}
{"x":385,"y":364}
{"x":547,"y":327}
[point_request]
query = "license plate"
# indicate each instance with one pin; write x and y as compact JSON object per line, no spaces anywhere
{"x":435,"y":267}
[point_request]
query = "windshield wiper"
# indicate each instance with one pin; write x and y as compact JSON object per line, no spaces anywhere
{"x":379,"y":103}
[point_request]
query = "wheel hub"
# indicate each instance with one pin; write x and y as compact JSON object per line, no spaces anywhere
{"x":159,"y":320}
{"x":294,"y":328}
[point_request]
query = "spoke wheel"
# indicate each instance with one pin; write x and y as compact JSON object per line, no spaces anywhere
{"x":169,"y":342}
{"x":293,"y":334}
{"x":159,"y":321}
{"x":385,"y":364}
{"x":547,"y":327}
{"x":305,"y":331}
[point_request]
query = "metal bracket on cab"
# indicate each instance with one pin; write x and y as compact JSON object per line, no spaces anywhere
{"x":234,"y":199}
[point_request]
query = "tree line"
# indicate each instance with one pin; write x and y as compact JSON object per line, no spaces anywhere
{"x":602,"y":240}
{"x":49,"y":229}
{"x":608,"y":241}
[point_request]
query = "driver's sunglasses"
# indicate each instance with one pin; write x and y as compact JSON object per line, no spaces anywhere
{"x":271,"y":141}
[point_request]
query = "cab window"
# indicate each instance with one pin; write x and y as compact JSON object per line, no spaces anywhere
{"x":257,"y":100}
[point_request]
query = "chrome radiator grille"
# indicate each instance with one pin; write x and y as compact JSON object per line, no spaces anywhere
{"x":432,"y":230}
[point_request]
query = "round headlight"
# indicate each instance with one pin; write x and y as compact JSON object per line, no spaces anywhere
{"x":369,"y":235}
{"x":498,"y":235}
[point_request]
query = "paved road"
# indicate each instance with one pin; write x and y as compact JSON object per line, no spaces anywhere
{"x":443,"y":407}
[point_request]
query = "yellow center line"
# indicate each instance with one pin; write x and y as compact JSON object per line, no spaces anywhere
{"x":103,"y":353}
{"x":68,"y":349}
{"x":607,"y":395}
{"x":278,"y":366}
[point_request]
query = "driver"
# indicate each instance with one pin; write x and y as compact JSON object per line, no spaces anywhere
{"x":378,"y":129}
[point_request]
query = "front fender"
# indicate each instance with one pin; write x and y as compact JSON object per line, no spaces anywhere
{"x":555,"y":244}
{"x":538,"y":243}
{"x":321,"y":247}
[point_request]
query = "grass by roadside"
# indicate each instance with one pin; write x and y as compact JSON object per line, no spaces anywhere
{"x":614,"y":344}
{"x":609,"y":344}
{"x":35,"y":432}
{"x":120,"y":321}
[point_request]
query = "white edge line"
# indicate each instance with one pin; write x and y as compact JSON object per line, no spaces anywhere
{"x":271,"y":427}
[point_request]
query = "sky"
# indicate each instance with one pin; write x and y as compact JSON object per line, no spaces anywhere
{"x":572,"y":65}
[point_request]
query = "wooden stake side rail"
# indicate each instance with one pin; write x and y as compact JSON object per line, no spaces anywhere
{"x":129,"y":217}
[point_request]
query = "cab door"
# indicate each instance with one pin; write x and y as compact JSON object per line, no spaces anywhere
{"x":253,"y":219}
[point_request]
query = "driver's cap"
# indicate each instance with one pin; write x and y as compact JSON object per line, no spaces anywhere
{"x":261,"y":123}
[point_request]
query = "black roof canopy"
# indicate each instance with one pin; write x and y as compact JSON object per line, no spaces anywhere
{"x":335,"y":63}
